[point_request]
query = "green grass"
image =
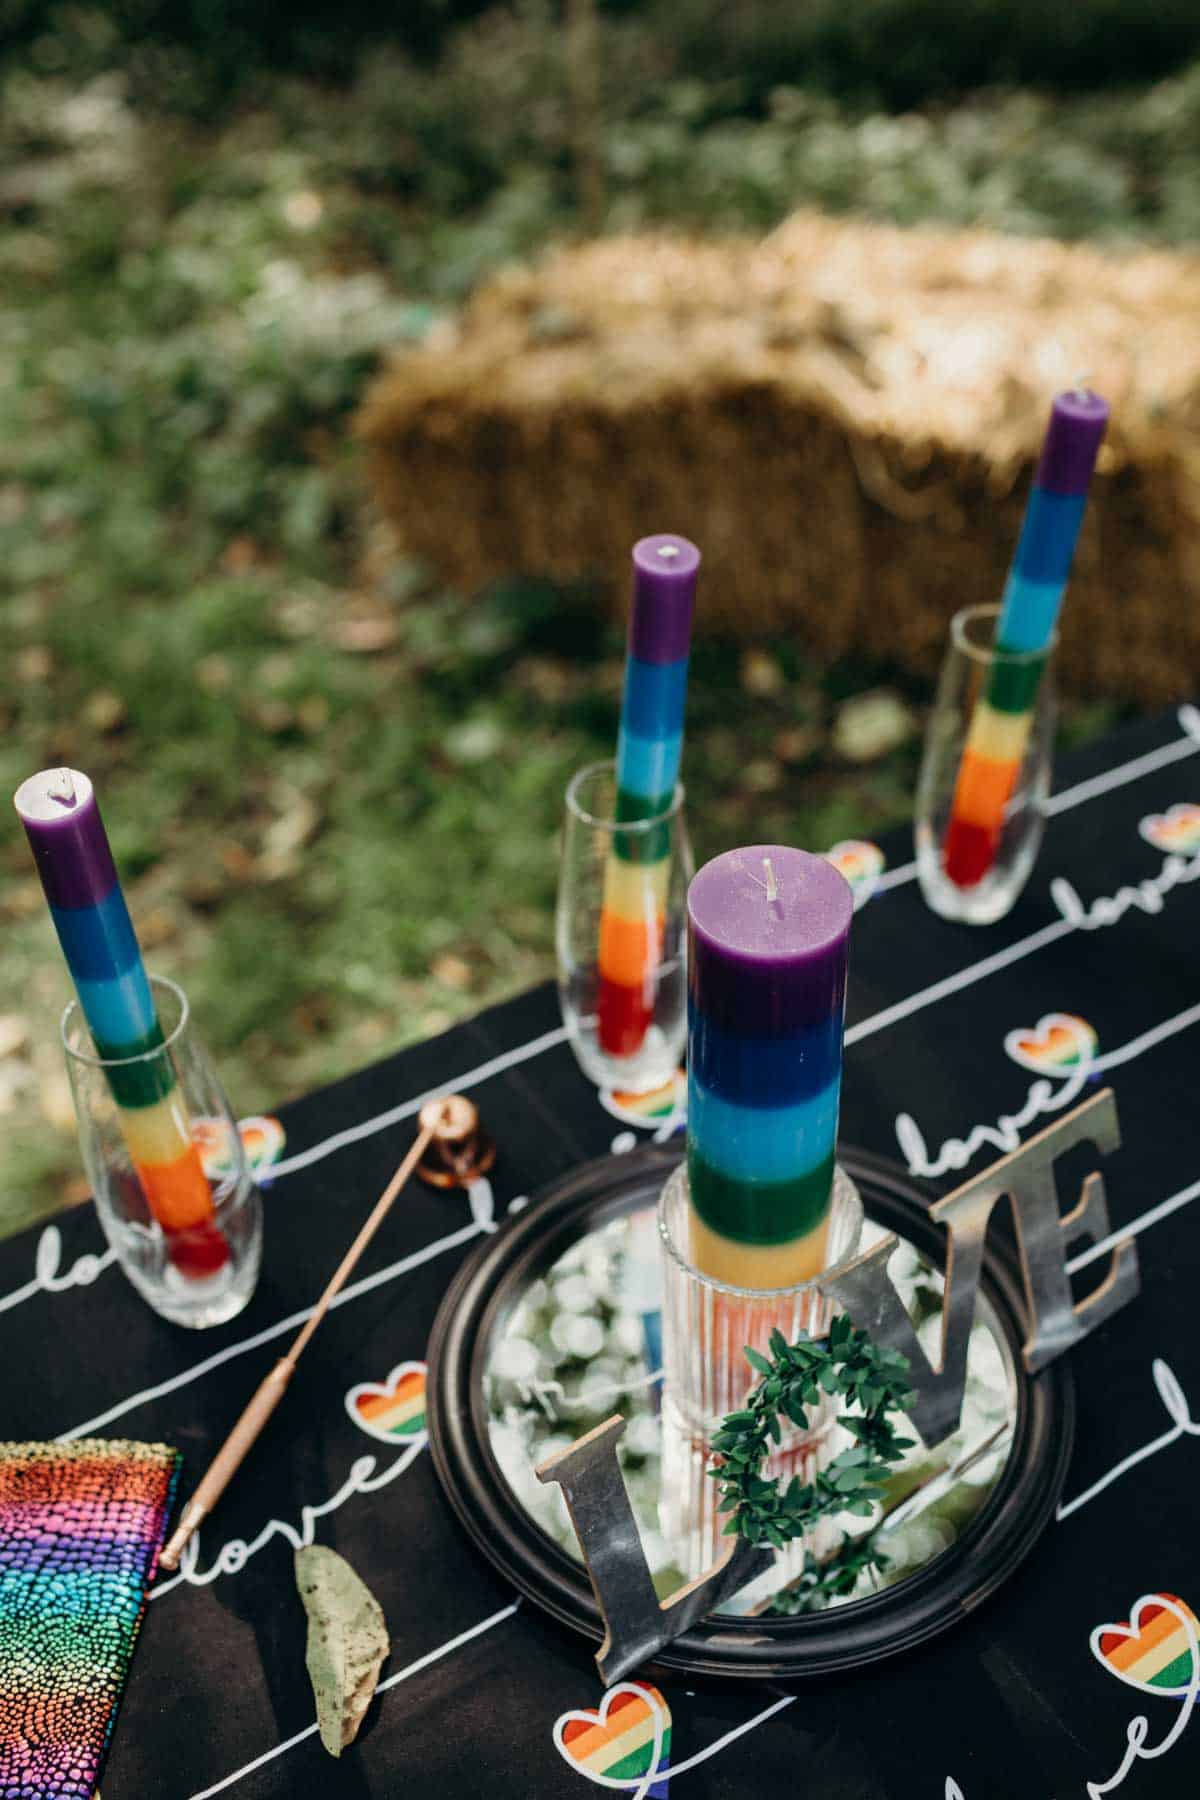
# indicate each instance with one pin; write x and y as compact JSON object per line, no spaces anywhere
{"x":333,"y":789}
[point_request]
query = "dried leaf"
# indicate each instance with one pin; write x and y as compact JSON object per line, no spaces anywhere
{"x":347,"y":1642}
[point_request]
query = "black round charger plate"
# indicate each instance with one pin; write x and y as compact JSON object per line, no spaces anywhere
{"x":490,"y":1283}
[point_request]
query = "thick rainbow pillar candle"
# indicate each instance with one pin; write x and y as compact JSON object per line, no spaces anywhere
{"x":649,"y":746}
{"x":66,"y":834}
{"x":768,"y":940}
{"x":1000,"y":726}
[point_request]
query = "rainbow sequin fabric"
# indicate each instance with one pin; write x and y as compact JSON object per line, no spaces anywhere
{"x":81,"y":1526}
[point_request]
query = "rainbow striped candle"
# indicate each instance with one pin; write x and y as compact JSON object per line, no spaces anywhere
{"x":1000,"y":726}
{"x":649,"y":746}
{"x":81,"y":1526}
{"x":768,"y":940}
{"x":66,"y":834}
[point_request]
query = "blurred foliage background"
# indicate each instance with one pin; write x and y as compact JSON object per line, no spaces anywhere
{"x":333,"y":790}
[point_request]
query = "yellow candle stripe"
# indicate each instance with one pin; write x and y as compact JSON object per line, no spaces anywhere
{"x":636,"y":890}
{"x":158,"y":1133}
{"x":757,"y":1265}
{"x":1000,"y":736}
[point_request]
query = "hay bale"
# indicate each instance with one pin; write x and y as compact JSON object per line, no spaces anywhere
{"x":845,"y":416}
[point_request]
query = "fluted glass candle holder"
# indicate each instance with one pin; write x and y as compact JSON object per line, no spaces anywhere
{"x":192,"y":1253}
{"x":707,"y":1327}
{"x":620,"y":935}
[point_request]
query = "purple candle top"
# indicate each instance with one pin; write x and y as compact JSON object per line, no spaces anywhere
{"x":66,"y":834}
{"x":664,"y":593}
{"x":768,"y":937}
{"x":1072,"y":443}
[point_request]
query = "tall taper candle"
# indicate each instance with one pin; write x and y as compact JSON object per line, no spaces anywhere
{"x":70,"y":847}
{"x":768,"y":940}
{"x":995,"y":748}
{"x":649,"y":746}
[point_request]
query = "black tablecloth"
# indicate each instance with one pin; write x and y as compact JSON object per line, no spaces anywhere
{"x":1011,"y":1703}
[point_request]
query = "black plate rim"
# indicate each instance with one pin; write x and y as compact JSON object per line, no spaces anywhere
{"x":931,"y":1601}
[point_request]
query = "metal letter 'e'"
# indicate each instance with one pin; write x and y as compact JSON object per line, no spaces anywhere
{"x":1055,"y":1322}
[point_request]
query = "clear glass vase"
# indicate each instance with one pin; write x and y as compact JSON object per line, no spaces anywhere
{"x":706,"y":1328}
{"x":985,"y":775}
{"x":168,"y":1170}
{"x":620,"y":935}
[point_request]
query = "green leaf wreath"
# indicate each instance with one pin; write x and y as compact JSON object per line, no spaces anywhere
{"x":795,"y":1377}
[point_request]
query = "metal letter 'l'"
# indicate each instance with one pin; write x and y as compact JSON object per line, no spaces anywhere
{"x":636,"y":1622}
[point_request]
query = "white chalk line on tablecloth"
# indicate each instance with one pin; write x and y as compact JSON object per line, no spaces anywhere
{"x":292,"y":1323}
{"x":395,"y":1115}
{"x":691,"y":1762}
{"x":953,"y":984}
{"x":1135,"y":1227}
{"x":406,"y":1674}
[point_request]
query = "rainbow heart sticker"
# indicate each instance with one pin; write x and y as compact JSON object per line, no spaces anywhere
{"x":394,"y":1410}
{"x":1058,"y":1043}
{"x":262,"y":1138}
{"x":861,"y":863}
{"x":1156,"y":1650}
{"x":670,"y":1097}
{"x":624,"y":1740}
{"x":1177,"y":831}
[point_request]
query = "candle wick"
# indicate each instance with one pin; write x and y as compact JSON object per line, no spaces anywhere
{"x":1083,"y":385}
{"x":772,"y":890}
{"x":62,"y":788}
{"x":669,"y":551}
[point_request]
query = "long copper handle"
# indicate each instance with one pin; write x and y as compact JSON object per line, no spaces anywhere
{"x":271,"y":1390}
{"x":229,"y":1458}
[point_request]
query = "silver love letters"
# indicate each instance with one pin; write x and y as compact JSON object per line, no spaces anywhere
{"x":637,"y":1624}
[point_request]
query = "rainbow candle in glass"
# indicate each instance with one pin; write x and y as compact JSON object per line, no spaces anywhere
{"x":768,"y":942}
{"x":70,"y":846}
{"x":1000,"y":725}
{"x":649,"y":746}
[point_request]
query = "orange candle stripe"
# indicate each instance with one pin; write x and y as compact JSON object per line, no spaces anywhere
{"x":630,"y":950}
{"x":984,"y":789}
{"x":178,"y":1192}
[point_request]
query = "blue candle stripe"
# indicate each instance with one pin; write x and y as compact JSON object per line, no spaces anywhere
{"x":648,"y":767}
{"x":655,"y":697}
{"x":1048,"y":537}
{"x":762,"y":1143}
{"x":120,"y":1010}
{"x":1029,"y":612}
{"x":97,"y":941}
{"x":764,"y":1071}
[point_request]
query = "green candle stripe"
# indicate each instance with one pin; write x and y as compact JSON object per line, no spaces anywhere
{"x":1012,"y":686}
{"x":142,"y":1083}
{"x":643,"y":846}
{"x":760,"y":1212}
